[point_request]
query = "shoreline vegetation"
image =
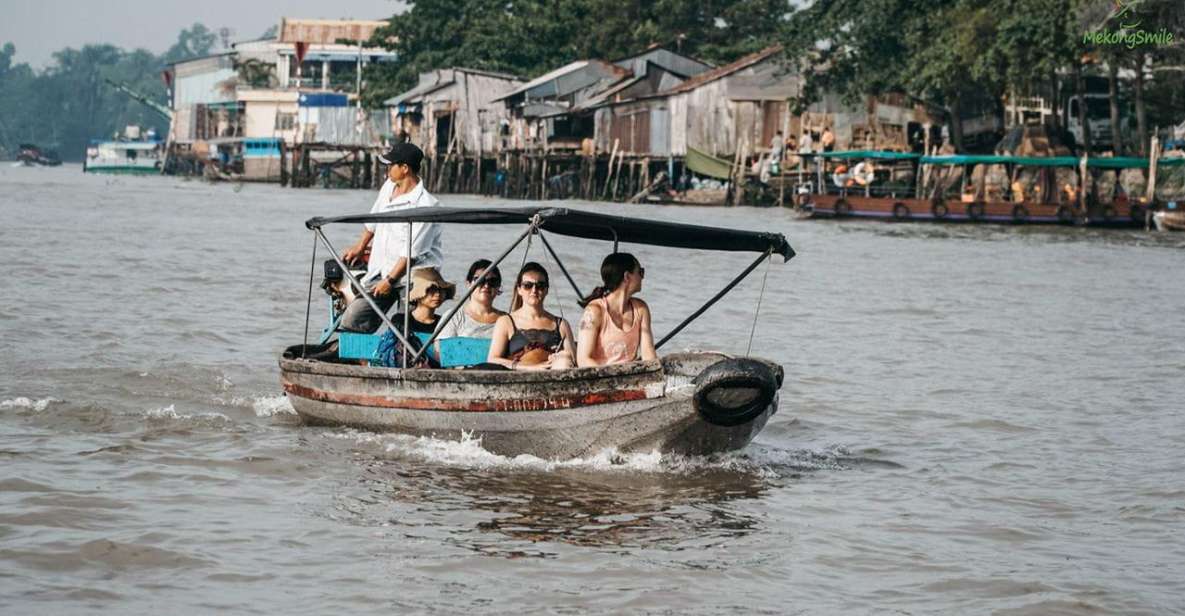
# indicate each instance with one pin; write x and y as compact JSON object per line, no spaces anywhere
{"x":959,"y":58}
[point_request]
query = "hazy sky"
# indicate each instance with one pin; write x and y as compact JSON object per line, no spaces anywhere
{"x":40,"y":27}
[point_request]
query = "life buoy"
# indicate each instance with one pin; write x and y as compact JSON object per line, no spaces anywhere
{"x":842,"y":208}
{"x":1064,"y":215}
{"x":975,"y":211}
{"x":939,"y":210}
{"x":734,"y":391}
{"x":900,"y":211}
{"x":1020,"y":213}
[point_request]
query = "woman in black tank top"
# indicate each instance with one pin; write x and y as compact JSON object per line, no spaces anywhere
{"x":529,"y":337}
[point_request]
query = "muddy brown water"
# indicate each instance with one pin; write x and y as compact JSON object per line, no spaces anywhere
{"x":975,"y":419}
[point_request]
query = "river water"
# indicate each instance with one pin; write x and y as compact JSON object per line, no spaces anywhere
{"x":975,"y":420}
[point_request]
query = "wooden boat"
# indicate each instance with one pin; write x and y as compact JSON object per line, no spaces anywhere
{"x":1061,"y":204}
{"x":688,"y":403}
{"x":1169,"y":220}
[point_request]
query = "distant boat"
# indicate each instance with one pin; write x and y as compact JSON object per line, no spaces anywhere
{"x":1170,"y":219}
{"x":31,"y":155}
{"x":127,"y":155}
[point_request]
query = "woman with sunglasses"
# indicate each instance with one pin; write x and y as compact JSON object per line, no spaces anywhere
{"x":529,"y":337}
{"x":478,"y":317}
{"x":615,"y":328}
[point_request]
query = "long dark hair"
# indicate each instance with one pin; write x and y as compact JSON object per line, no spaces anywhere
{"x":613,"y":270}
{"x":528,"y":267}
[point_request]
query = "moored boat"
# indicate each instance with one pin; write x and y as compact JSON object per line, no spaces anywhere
{"x":128,"y":155}
{"x":1169,"y":220}
{"x":690,"y":403}
{"x":978,"y":188}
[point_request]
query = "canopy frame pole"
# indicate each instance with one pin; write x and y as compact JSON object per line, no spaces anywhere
{"x":473,"y":287}
{"x":407,"y":294}
{"x":308,"y":307}
{"x":359,"y":288}
{"x":560,"y":264}
{"x":735,"y":281}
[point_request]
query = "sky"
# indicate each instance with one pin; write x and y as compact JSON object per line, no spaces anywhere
{"x":40,"y":27}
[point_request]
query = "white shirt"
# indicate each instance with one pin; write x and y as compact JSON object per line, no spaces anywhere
{"x":806,"y":144}
{"x":390,"y":239}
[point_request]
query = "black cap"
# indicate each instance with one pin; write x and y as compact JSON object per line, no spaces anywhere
{"x":406,"y":153}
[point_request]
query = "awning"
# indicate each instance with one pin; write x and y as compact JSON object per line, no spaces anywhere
{"x":1128,"y":162}
{"x":870,"y":154}
{"x":588,"y":225}
{"x":706,"y":164}
{"x":987,"y":159}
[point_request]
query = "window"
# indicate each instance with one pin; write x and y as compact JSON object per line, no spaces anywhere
{"x":285,"y":121}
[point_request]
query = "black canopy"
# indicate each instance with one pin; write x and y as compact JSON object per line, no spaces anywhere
{"x":589,"y":225}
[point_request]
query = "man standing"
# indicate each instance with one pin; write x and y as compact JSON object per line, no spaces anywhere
{"x":828,"y":139}
{"x":388,"y":241}
{"x":806,"y":145}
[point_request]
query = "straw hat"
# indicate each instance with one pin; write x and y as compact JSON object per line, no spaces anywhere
{"x":425,"y":277}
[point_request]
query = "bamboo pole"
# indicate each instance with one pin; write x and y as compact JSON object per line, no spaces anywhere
{"x":609,"y":169}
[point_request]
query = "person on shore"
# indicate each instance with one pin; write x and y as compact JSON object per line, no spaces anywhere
{"x":806,"y":145}
{"x":827,"y":140}
{"x":529,"y":337}
{"x":389,"y":261}
{"x":615,"y":328}
{"x":477,"y":318}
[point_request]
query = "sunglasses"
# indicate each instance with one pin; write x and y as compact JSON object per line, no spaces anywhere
{"x":493,"y":283}
{"x":434,"y":290}
{"x":530,"y":285}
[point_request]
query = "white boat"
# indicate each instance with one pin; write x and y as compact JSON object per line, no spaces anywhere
{"x":127,"y":155}
{"x":690,"y":403}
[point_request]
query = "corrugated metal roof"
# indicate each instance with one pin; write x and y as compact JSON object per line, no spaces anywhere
{"x":723,"y":71}
{"x":542,"y":79}
{"x":416,"y":92}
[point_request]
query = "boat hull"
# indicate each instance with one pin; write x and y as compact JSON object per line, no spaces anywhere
{"x":645,"y":406}
{"x":957,"y":211}
{"x":1169,"y":220}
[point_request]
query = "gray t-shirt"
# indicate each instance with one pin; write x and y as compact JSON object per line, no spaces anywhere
{"x":464,"y":325}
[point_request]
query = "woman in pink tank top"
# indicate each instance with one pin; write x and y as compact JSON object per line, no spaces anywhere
{"x":615,"y":328}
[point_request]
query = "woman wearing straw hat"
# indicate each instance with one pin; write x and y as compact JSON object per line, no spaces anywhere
{"x":428,"y":291}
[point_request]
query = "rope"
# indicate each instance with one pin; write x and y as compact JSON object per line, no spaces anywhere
{"x":758,"y":311}
{"x":514,"y":299}
{"x":558,"y":299}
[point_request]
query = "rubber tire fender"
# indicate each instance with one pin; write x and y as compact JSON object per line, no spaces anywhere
{"x":940,"y":210}
{"x":900,"y":211}
{"x":1109,"y":214}
{"x":975,"y":211}
{"x":1020,"y":213}
{"x":842,"y":208}
{"x":734,"y":391}
{"x":1137,"y":213}
{"x":1064,"y":215}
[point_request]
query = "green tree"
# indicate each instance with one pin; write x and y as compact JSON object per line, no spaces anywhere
{"x":194,"y":42}
{"x":531,"y":37}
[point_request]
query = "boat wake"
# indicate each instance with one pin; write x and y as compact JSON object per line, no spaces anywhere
{"x":760,"y":461}
{"x":22,"y":402}
{"x":265,"y":405}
